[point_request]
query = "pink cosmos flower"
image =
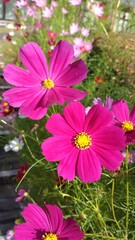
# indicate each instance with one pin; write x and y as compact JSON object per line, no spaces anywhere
{"x":54,"y":4}
{"x":85,"y":32}
{"x":48,"y":12}
{"x":47,"y":223}
{"x":38,"y":88}
{"x":64,"y":10}
{"x":125,"y":119}
{"x":40,"y":3}
{"x":98,"y":9}
{"x":21,"y":3}
{"x":83,"y":142}
{"x":75,"y":2}
{"x":21,"y":194}
{"x":6,"y":1}
{"x":108,"y":103}
{"x":74,"y":28}
{"x":30,"y":11}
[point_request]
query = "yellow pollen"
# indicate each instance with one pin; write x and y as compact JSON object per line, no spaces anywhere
{"x":6,"y":110}
{"x":82,"y":140}
{"x":127,"y":126}
{"x":49,"y":236}
{"x":48,"y":83}
{"x":5,"y":104}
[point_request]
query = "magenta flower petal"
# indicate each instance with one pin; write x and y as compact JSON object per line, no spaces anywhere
{"x":55,"y":217}
{"x":91,"y":170}
{"x":94,"y":122}
{"x":54,"y":96}
{"x":31,"y":109}
{"x":110,"y":160}
{"x":71,"y":113}
{"x":104,"y":139}
{"x":73,"y":74}
{"x":132,"y":115}
{"x":61,"y":146}
{"x":71,"y":94}
{"x":120,"y":110}
{"x":60,"y":127}
{"x":61,"y":58}
{"x":19,"y":77}
{"x":70,"y":230}
{"x":67,"y":166}
{"x":17,"y":96}
{"x":24,"y":231}
{"x":34,"y":60}
{"x":35,"y":215}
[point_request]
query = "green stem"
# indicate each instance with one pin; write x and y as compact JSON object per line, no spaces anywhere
{"x":127,"y":193}
{"x":18,"y":185}
{"x":113,"y":211}
{"x":101,"y":236}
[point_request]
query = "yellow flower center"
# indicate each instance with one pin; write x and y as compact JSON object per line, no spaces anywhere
{"x":127,"y":126}
{"x":48,"y":83}
{"x":5,"y":104}
{"x":83,"y":140}
{"x":49,"y":236}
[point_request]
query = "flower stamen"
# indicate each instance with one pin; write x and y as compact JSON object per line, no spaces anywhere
{"x":49,"y":236}
{"x":127,"y":126}
{"x":82,"y":140}
{"x":48,"y":83}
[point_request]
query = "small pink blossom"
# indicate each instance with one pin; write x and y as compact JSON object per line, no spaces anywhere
{"x":83,"y":143}
{"x":48,"y":12}
{"x":75,"y":2}
{"x":77,"y":51}
{"x":85,"y":32}
{"x":64,"y":10}
{"x":54,"y":4}
{"x":21,"y":3}
{"x":30,"y":11}
{"x":78,"y":42}
{"x":98,"y":9}
{"x":46,"y":223}
{"x":21,"y":194}
{"x":74,"y":28}
{"x":9,"y":235}
{"x":64,"y":33}
{"x":40,"y":3}
{"x":88,"y":46}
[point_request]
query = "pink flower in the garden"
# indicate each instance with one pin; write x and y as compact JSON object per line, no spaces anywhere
{"x":9,"y":235}
{"x":108,"y":103}
{"x":64,"y":33}
{"x":6,"y":1}
{"x":46,"y":224}
{"x":75,"y":2}
{"x":52,"y":34}
{"x":48,"y":12}
{"x":54,"y":4}
{"x":74,"y":28}
{"x":21,"y":3}
{"x":21,"y":194}
{"x":30,"y":11}
{"x":125,"y":119}
{"x":38,"y":25}
{"x":40,"y":3}
{"x":78,"y":42}
{"x":83,"y":142}
{"x":22,"y":170}
{"x":64,"y":10}
{"x":38,"y":88}
{"x":98,"y":9}
{"x":85,"y":32}
{"x":77,"y":51}
{"x":87,"y":46}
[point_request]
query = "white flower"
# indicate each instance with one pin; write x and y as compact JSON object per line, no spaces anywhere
{"x":15,"y":145}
